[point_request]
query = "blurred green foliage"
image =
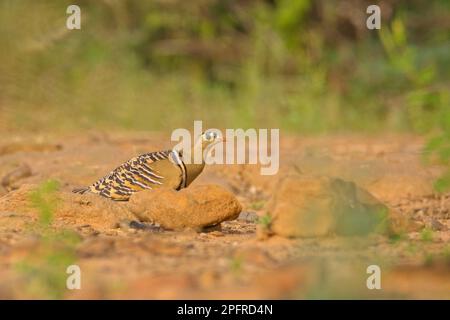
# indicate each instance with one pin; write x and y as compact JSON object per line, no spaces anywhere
{"x":237,"y":265}
{"x":265,"y":221}
{"x":438,"y":148}
{"x":426,"y":235}
{"x":44,"y":200}
{"x":257,"y":205}
{"x":302,"y":65}
{"x":44,"y":268}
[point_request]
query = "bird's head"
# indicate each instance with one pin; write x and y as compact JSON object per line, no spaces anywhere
{"x":209,"y":138}
{"x":202,"y":146}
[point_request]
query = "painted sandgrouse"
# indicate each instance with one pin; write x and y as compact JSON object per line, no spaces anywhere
{"x":153,"y":170}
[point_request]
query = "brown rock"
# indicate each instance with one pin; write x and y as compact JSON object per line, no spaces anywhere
{"x":99,"y":213}
{"x":310,"y":206}
{"x":300,"y":208}
{"x":194,"y":207}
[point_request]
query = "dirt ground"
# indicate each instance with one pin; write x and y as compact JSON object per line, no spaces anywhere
{"x":139,"y":261}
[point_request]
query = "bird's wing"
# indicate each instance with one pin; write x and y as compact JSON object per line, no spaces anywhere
{"x":172,"y":170}
{"x":148,"y":171}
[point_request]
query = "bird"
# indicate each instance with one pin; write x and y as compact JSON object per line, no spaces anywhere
{"x":153,"y":170}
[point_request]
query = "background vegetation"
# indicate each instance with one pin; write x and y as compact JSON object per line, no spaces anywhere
{"x":300,"y":65}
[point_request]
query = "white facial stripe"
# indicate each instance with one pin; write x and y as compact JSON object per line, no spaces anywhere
{"x":177,"y":160}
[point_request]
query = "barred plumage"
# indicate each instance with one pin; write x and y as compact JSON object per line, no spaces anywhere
{"x":137,"y":174}
{"x":149,"y":171}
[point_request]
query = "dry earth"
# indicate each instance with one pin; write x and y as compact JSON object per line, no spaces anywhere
{"x":120,"y":258}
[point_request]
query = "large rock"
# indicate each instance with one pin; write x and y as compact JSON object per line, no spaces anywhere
{"x":99,"y":213}
{"x":309,"y":206}
{"x":193,"y":207}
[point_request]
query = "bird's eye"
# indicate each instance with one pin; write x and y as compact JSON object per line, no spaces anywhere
{"x":210,"y":136}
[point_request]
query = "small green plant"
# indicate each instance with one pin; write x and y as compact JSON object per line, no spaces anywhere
{"x":45,"y":270}
{"x":236,"y":264}
{"x":396,"y":238}
{"x":257,"y":205}
{"x":265,"y":221}
{"x":438,"y":148}
{"x":44,"y":200}
{"x":426,"y":235}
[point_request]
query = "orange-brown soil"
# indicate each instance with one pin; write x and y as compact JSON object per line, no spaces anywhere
{"x":233,"y":260}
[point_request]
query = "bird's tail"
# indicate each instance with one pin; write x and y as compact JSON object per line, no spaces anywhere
{"x":80,"y":190}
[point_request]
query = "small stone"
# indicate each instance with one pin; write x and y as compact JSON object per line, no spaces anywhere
{"x":123,"y":224}
{"x":420,"y":215}
{"x":247,"y":216}
{"x":437,"y":225}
